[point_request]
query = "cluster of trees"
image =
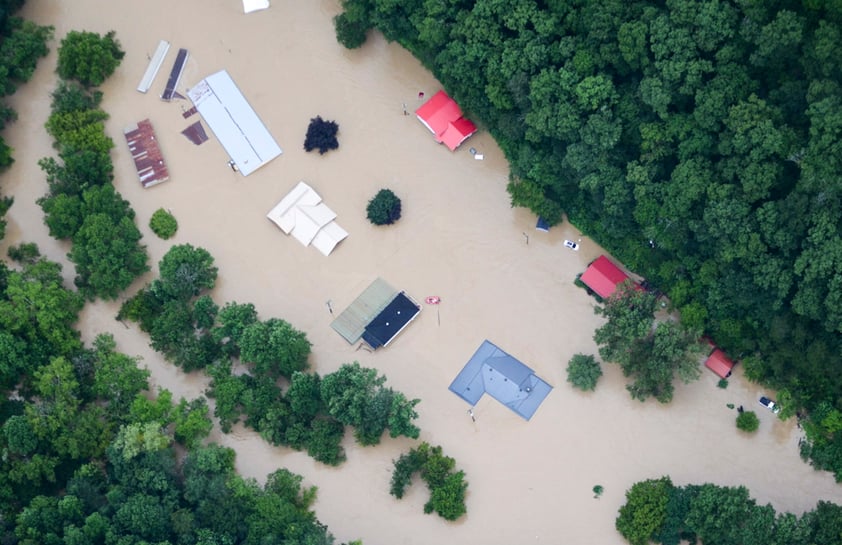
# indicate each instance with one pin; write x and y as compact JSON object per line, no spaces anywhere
{"x":447,"y":487}
{"x":697,"y":140}
{"x":257,"y":366}
{"x":660,"y":512}
{"x":22,"y":43}
{"x":89,"y":457}
{"x":321,"y":135}
{"x":650,"y":352}
{"x":82,"y":204}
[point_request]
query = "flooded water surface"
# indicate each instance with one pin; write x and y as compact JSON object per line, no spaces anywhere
{"x":459,"y":239}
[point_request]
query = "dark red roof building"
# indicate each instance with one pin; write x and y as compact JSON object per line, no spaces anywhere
{"x":443,"y":117}
{"x":719,"y":363}
{"x":603,"y":277}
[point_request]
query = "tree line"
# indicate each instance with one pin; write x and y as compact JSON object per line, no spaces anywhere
{"x":657,"y":511}
{"x":258,"y":366}
{"x":82,"y":205}
{"x":22,"y":43}
{"x":697,"y":140}
{"x":90,"y":456}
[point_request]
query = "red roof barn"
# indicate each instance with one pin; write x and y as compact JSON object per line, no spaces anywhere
{"x":603,"y":277}
{"x":719,"y":363}
{"x":443,"y":117}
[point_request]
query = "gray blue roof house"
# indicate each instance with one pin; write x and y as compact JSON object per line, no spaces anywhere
{"x":493,"y":371}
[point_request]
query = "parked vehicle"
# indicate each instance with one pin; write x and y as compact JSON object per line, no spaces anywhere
{"x":572,"y":245}
{"x":769,"y":404}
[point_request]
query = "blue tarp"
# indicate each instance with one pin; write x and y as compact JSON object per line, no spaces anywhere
{"x":503,"y":377}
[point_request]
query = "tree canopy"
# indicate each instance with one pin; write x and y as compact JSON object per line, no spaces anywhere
{"x":88,"y":57}
{"x":696,"y":140}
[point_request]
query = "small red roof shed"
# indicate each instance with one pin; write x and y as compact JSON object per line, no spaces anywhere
{"x":719,"y":363}
{"x":443,"y":117}
{"x":603,"y":277}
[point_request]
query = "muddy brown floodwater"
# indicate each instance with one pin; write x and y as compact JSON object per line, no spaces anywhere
{"x":459,"y":239}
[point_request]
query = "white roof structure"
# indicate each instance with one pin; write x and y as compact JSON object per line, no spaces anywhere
{"x":303,"y":215}
{"x":255,"y":5}
{"x":154,"y":65}
{"x":234,"y":122}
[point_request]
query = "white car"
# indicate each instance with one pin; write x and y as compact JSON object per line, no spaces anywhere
{"x":769,"y":404}
{"x":572,"y":245}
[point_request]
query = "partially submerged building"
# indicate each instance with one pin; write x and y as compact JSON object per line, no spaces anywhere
{"x":234,"y":123}
{"x":377,"y":316}
{"x":146,"y":154}
{"x":444,"y":118}
{"x":719,"y":363}
{"x":602,"y":277}
{"x":491,"y":370}
{"x":302,"y":214}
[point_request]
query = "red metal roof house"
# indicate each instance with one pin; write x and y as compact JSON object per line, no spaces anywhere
{"x":443,"y":117}
{"x":603,"y":277}
{"x":719,"y":363}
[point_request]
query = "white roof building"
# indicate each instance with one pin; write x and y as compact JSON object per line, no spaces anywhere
{"x":302,"y":214}
{"x":254,"y":5}
{"x":234,"y":122}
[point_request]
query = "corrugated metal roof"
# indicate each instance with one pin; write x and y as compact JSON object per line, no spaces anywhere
{"x":352,"y":321}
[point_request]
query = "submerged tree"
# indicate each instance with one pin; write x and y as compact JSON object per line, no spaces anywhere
{"x":321,"y":135}
{"x":384,"y":208}
{"x":583,"y":371}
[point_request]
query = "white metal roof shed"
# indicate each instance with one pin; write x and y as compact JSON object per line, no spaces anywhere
{"x":234,"y":122}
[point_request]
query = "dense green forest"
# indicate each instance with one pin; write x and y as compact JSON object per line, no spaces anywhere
{"x":697,"y":140}
{"x":657,"y":511}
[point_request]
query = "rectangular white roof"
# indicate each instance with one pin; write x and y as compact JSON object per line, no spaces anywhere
{"x":154,"y":65}
{"x":254,"y":5}
{"x":234,"y":122}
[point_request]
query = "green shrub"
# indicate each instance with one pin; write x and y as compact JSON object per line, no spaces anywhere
{"x":748,"y":421}
{"x":384,"y":208}
{"x":583,"y":371}
{"x":723,"y":383}
{"x":163,"y":224}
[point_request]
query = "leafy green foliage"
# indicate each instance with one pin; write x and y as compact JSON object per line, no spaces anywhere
{"x":355,"y":396}
{"x":275,"y":348}
{"x":321,"y":135}
{"x":163,"y":224}
{"x":645,"y":510}
{"x":652,"y":354}
{"x":697,"y":141}
{"x":748,"y":421}
{"x":185,"y":271}
{"x":350,"y":32}
{"x":82,"y":205}
{"x":447,"y":487}
{"x":583,"y":372}
{"x":107,"y":255}
{"x":88,"y":57}
{"x":384,"y":208}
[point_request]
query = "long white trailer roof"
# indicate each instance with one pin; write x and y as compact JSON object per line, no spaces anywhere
{"x":234,"y":122}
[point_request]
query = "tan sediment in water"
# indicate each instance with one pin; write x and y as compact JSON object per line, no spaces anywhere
{"x":458,"y":239}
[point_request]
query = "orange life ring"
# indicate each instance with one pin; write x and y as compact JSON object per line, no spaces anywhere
{"x":433,"y":300}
